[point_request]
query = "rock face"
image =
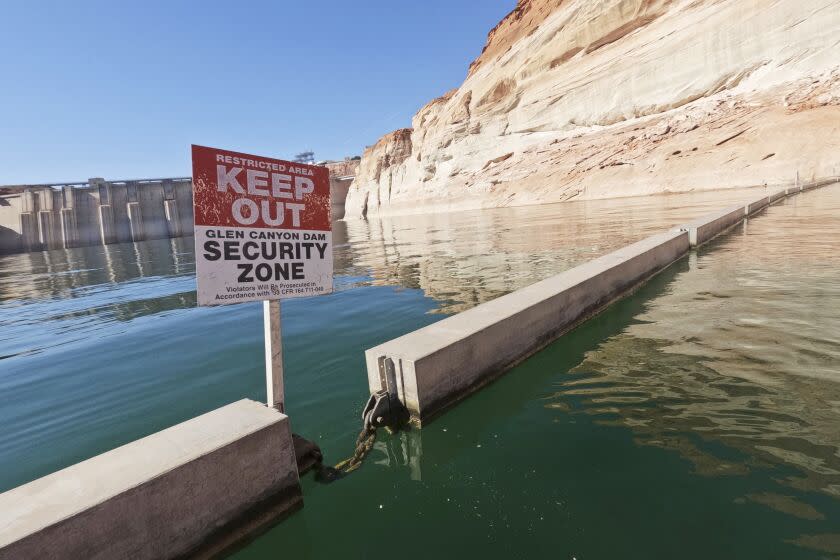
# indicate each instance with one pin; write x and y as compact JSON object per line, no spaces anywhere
{"x":582,"y":99}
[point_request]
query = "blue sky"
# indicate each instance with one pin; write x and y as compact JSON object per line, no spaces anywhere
{"x":121,"y":89}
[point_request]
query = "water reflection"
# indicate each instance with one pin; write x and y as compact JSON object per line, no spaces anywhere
{"x":459,"y":259}
{"x":737,"y":365}
{"x":402,"y":452}
{"x":51,"y":298}
{"x":56,"y":274}
{"x":733,"y":367}
{"x":466,"y":258}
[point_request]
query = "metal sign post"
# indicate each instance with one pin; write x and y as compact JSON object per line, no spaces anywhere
{"x":274,"y":390}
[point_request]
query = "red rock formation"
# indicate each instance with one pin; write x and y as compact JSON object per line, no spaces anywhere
{"x":607,"y":98}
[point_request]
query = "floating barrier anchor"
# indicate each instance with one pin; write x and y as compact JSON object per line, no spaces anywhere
{"x":382,"y":410}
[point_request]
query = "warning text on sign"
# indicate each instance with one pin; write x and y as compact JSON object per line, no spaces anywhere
{"x":262,"y":228}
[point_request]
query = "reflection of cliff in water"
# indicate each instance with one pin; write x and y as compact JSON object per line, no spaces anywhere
{"x":737,"y":364}
{"x":669,"y":399}
{"x":462,"y":259}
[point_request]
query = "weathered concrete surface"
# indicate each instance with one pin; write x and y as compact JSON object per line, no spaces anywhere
{"x":704,"y":229}
{"x":68,"y":227}
{"x":307,"y":454}
{"x":106,"y":224}
{"x":99,"y":212}
{"x":48,"y":230}
{"x":438,"y":365}
{"x":817,"y":183}
{"x":752,"y":207}
{"x":173,"y":221}
{"x":28,"y":236}
{"x":776,"y":195}
{"x":189,"y":488}
{"x":135,"y":221}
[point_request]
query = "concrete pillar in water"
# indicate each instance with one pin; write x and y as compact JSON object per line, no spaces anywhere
{"x":135,"y":221}
{"x":173,"y":219}
{"x":30,"y":201}
{"x":47,"y":234}
{"x":48,"y":229}
{"x":106,"y":211}
{"x":135,"y":214}
{"x":106,"y":224}
{"x":69,"y":233}
{"x":69,"y":237}
{"x":29,"y":231}
{"x":170,"y":208}
{"x":29,"y":221}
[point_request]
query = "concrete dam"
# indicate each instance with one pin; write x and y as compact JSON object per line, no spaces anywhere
{"x":100,"y":212}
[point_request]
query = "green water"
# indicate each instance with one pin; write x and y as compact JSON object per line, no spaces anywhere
{"x":696,"y":419}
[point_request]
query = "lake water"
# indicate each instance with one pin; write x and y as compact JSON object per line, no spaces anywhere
{"x":698,"y":418}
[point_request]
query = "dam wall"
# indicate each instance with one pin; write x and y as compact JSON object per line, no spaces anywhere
{"x":39,"y":217}
{"x":342,"y":174}
{"x":339,"y":186}
{"x":431,"y":369}
{"x":194,"y":489}
{"x":100,"y":212}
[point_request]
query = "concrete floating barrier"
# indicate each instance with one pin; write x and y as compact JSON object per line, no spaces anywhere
{"x":776,"y":195}
{"x":196,"y":487}
{"x":756,"y":205}
{"x":819,"y":183}
{"x":433,"y":368}
{"x":704,"y":229}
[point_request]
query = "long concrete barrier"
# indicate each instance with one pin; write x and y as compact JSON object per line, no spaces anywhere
{"x":194,"y":488}
{"x":756,"y":205}
{"x":819,"y":183}
{"x":776,"y":196}
{"x":706,"y":228}
{"x":432,"y":368}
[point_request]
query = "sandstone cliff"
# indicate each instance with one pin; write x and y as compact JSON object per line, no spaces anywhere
{"x":576,"y":99}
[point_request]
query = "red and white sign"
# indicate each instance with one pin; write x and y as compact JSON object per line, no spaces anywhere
{"x":262,"y":228}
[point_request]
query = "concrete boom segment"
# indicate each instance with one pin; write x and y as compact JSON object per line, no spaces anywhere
{"x":161,"y":496}
{"x":440,"y":364}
